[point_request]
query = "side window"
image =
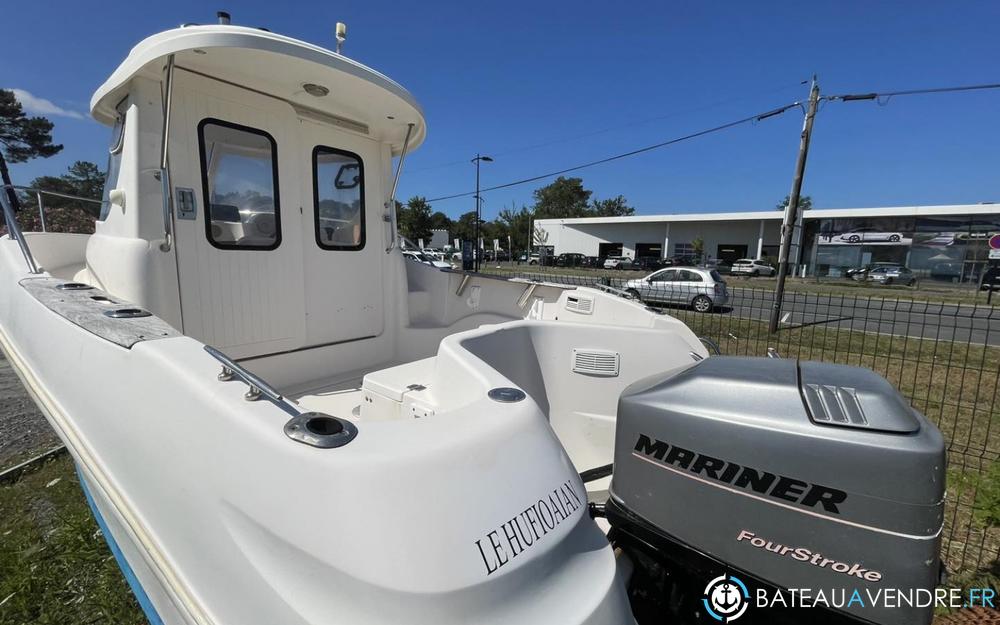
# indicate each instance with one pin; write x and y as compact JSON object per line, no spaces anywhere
{"x":664,"y":276}
{"x":338,"y":199}
{"x":239,"y":177}
{"x":690,"y":276}
{"x":114,"y":159}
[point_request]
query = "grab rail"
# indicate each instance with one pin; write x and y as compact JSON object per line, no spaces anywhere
{"x":14,"y":230}
{"x":41,"y":204}
{"x":258,"y":387}
{"x":391,"y":204}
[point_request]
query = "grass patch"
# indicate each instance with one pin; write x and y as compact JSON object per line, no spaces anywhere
{"x":55,"y":566}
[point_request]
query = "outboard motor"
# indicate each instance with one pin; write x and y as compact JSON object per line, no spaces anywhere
{"x":743,"y":478}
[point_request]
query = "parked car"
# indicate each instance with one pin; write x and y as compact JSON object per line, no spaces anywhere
{"x":617,"y":262}
{"x":860,"y":273}
{"x":651,"y":263}
{"x":702,"y":289}
{"x":593,"y":261}
{"x":531,"y":259}
{"x":869,"y":235}
{"x":991,"y":280}
{"x":752,"y":267}
{"x":893,"y":274}
{"x":683,"y":261}
{"x":570,"y":260}
{"x":420,"y":257}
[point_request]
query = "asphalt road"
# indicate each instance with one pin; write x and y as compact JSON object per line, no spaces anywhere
{"x":978,"y":325}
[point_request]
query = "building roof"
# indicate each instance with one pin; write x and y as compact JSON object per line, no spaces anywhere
{"x":775,"y":215}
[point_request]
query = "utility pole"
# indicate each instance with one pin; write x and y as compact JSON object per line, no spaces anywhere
{"x":478,"y":160}
{"x":792,"y":210}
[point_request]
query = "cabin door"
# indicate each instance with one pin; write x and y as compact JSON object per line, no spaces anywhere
{"x":234,"y":157}
{"x":342,"y":233}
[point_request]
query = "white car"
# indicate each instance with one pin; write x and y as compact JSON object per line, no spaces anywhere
{"x":752,"y":267}
{"x":859,"y":235}
{"x":420,"y":257}
{"x":700,"y":288}
{"x":618,"y":262}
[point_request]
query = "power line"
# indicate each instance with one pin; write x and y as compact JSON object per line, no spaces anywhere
{"x":648,"y":148}
{"x":632,"y":124}
{"x":888,"y":94}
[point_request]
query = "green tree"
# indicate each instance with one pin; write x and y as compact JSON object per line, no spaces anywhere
{"x":83,"y":179}
{"x":563,"y":198}
{"x":440,"y":221}
{"x":698,"y":245}
{"x":21,"y":138}
{"x":414,"y":220}
{"x":613,"y":207}
{"x":516,"y":223}
{"x":465,"y":227}
{"x":805,"y":203}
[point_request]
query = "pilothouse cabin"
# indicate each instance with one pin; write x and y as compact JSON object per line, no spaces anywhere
{"x":278,"y":167}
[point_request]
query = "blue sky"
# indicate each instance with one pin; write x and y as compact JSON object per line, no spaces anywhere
{"x":545,"y":85}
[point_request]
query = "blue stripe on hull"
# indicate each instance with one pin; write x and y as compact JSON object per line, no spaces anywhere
{"x":133,"y":581}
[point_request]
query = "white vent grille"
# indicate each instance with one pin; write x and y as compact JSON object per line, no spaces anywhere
{"x":596,"y":362}
{"x":582,"y":305}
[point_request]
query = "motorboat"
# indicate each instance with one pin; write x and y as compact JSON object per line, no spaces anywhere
{"x":277,"y":418}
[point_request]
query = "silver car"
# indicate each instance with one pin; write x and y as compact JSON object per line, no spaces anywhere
{"x":702,"y":289}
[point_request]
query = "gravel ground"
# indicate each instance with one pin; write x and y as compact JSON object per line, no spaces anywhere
{"x":23,"y":430}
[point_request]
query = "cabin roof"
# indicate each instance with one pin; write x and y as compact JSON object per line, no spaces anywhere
{"x":277,"y":66}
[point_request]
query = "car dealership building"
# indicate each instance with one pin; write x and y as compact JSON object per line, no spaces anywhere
{"x":947,"y":243}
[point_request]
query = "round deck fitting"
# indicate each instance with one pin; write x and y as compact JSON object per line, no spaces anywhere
{"x":127,"y":313}
{"x":506,"y":394}
{"x":320,"y":430}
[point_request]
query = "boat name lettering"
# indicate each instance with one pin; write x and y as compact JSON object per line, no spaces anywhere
{"x":514,"y":536}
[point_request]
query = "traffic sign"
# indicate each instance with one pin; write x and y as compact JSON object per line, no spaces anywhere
{"x":995,"y":242}
{"x":994,"y":254}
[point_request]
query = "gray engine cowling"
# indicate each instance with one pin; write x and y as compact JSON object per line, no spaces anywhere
{"x":798,"y":474}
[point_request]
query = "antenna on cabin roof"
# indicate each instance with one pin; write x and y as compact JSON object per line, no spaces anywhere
{"x":223,"y":17}
{"x":341,"y":35}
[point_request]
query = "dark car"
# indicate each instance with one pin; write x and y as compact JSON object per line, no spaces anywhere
{"x":991,"y":280}
{"x":593,"y":261}
{"x":683,"y":261}
{"x":571,"y":260}
{"x":651,"y":263}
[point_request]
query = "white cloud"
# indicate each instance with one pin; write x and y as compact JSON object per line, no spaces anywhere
{"x":41,"y":106}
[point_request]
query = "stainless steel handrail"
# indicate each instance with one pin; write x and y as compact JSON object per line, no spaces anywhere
{"x":391,"y":204}
{"x":68,"y":196}
{"x":14,"y":230}
{"x":610,"y":289}
{"x":258,"y":387}
{"x":164,"y":172}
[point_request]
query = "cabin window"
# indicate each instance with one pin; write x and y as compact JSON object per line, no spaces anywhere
{"x":239,"y":175}
{"x":339,"y":199}
{"x":114,"y":159}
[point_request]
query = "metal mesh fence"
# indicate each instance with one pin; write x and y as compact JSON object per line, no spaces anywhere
{"x":944,"y":356}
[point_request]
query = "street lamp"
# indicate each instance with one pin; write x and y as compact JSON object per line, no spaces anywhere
{"x":478,"y":203}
